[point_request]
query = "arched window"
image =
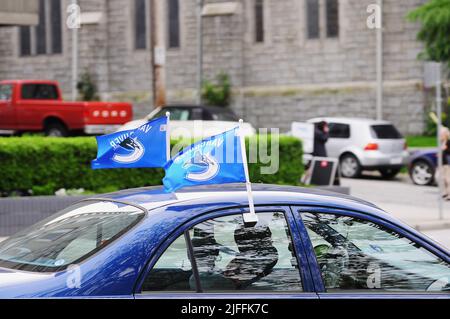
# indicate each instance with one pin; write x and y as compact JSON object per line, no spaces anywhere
{"x":47,"y":35}
{"x":174,"y":23}
{"x":312,"y":18}
{"x":259,"y":20}
{"x":332,"y":16}
{"x":140,"y":24}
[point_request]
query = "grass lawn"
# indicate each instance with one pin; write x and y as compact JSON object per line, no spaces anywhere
{"x":421,"y":141}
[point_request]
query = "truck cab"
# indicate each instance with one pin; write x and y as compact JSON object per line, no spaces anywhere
{"x":37,"y":105}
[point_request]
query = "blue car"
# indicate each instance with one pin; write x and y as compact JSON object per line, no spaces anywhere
{"x":422,"y":167}
{"x":144,"y":243}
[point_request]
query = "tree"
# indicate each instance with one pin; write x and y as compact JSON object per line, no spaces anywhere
{"x":87,"y":89}
{"x":435,"y":31}
{"x":219,"y":93}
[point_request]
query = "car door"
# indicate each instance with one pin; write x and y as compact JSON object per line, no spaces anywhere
{"x":339,"y":138}
{"x":353,"y":255}
{"x":36,"y":100}
{"x":217,"y":256}
{"x":7,"y":113}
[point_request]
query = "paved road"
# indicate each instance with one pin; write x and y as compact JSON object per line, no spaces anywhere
{"x":441,"y":236}
{"x":415,"y":205}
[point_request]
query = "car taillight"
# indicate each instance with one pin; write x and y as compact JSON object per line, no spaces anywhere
{"x":371,"y":147}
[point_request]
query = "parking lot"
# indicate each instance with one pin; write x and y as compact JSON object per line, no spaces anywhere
{"x":415,"y":205}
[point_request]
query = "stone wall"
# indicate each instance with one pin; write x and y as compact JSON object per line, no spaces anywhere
{"x":288,"y":77}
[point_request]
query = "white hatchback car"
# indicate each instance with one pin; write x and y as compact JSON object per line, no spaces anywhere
{"x":365,"y":144}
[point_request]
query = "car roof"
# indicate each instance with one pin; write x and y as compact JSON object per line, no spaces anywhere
{"x":234,"y":195}
{"x":208,"y":107}
{"x":349,"y":120}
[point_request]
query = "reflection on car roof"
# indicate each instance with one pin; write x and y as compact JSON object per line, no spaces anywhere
{"x":155,"y":196}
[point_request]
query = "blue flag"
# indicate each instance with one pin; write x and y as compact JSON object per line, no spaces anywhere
{"x":141,"y":147}
{"x":215,"y":160}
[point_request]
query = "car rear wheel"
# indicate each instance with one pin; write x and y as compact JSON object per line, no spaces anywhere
{"x":422,"y":173}
{"x":389,"y":173}
{"x":56,"y":129}
{"x":350,"y":166}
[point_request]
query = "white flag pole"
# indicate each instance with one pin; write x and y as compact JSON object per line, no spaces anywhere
{"x":168,"y":137}
{"x":251,"y":217}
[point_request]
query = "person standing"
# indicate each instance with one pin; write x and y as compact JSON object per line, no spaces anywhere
{"x":321,"y":131}
{"x":445,"y":145}
{"x":321,"y":135}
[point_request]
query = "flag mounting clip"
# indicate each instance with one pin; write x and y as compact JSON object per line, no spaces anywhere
{"x":250,"y":218}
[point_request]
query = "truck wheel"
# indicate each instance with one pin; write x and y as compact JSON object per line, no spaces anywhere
{"x":350,"y":166}
{"x":56,"y":129}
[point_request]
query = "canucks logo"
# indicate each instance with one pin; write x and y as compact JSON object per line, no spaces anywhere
{"x":203,"y":167}
{"x":130,"y":150}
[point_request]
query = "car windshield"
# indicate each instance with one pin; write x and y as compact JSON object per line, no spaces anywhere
{"x":224,"y":115}
{"x":69,"y":236}
{"x":176,"y":114}
{"x":385,"y":131}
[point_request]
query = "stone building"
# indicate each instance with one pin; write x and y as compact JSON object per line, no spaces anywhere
{"x":288,"y":59}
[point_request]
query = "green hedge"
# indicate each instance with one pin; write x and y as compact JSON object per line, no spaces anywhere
{"x":45,"y":165}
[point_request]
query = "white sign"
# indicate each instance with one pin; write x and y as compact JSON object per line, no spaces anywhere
{"x":160,"y":56}
{"x":432,"y":74}
{"x":305,"y":132}
{"x":73,"y":16}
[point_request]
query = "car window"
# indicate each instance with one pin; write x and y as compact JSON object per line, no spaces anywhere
{"x":179,"y":114}
{"x":385,"y":131}
{"x":358,"y":255}
{"x":223,"y":114}
{"x":68,"y":237}
{"x":230,"y":256}
{"x":196,"y":114}
{"x":207,"y":116}
{"x":39,"y":92}
{"x":173,"y":270}
{"x":176,"y":114}
{"x":338,"y":130}
{"x":5,"y":92}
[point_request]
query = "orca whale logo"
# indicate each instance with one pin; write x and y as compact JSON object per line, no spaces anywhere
{"x":135,"y":148}
{"x":206,"y":162}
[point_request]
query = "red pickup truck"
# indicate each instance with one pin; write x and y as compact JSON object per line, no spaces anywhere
{"x":36,"y":105}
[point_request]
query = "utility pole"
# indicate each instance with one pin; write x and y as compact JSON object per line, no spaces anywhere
{"x":433,"y":79}
{"x":199,"y":51}
{"x":158,"y":51}
{"x":439,"y":128}
{"x":73,"y":22}
{"x":380,"y":63}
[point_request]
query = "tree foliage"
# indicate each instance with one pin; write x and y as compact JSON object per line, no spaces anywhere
{"x":435,"y":31}
{"x":218,"y":93}
{"x":87,"y":89}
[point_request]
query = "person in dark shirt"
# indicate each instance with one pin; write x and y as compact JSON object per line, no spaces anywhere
{"x":445,"y":145}
{"x":320,"y":139}
{"x":321,"y":135}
